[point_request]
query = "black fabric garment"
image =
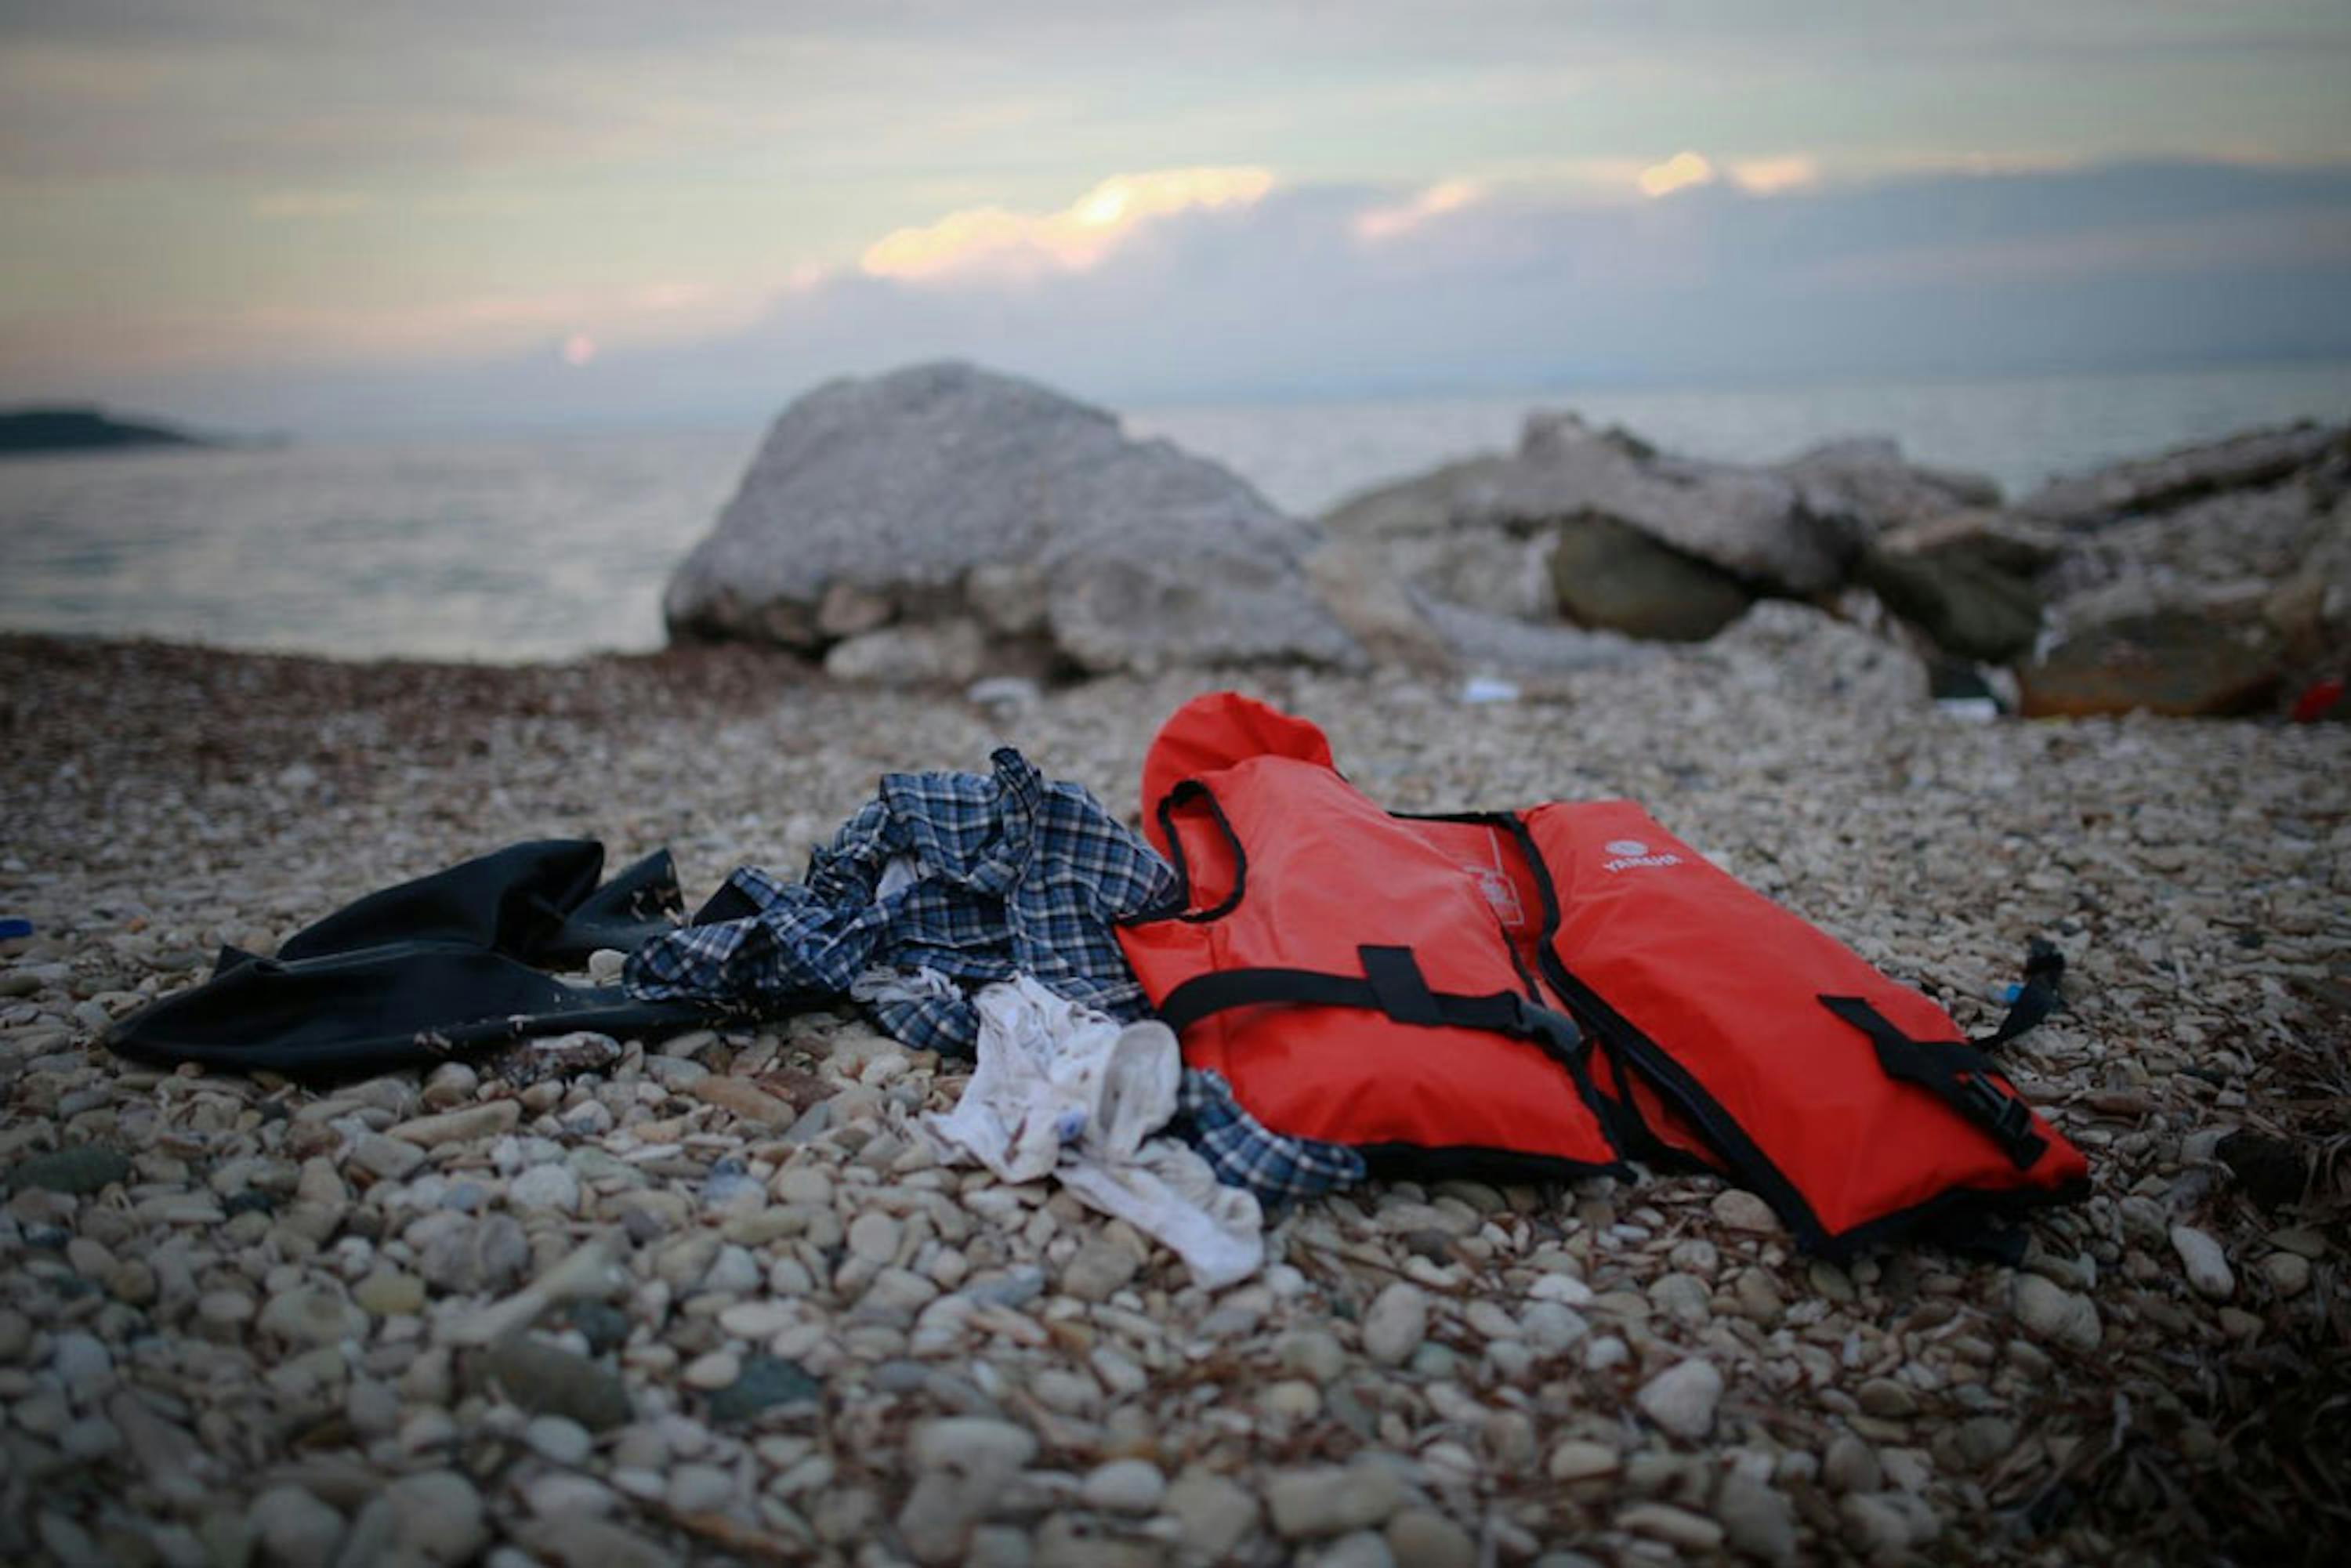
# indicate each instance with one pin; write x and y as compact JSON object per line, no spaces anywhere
{"x":440,"y":966}
{"x":537,"y":902}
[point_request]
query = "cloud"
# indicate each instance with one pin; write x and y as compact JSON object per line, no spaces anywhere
{"x":1958,"y":272}
{"x":991,"y":240}
{"x":1677,"y":173}
{"x":1282,"y":295}
{"x":1767,"y":176}
{"x":1388,"y":222}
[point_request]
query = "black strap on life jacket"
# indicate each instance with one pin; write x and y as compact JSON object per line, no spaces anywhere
{"x":1391,"y":985}
{"x":1962,"y":1073}
{"x":1192,"y":789}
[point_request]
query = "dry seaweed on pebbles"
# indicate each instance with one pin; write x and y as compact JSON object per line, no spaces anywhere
{"x":712,"y":1297}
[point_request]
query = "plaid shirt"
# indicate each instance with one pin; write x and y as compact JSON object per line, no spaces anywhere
{"x":1004,"y":874}
{"x":951,"y":881}
{"x":1244,"y":1152}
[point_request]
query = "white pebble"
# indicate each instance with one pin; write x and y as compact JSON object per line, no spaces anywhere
{"x":558,"y":1439}
{"x":1395,"y":1324}
{"x":545,"y":1186}
{"x":2207,"y":1265}
{"x":1124,"y":1486}
{"x":1682,"y":1398}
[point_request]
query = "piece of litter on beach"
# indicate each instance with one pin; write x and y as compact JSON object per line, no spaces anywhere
{"x":1975,"y":710}
{"x":1487,"y":689}
{"x":11,"y":929}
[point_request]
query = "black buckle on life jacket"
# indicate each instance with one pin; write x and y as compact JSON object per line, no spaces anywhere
{"x":2006,"y":1117}
{"x":1553,"y":1030}
{"x":1958,"y":1073}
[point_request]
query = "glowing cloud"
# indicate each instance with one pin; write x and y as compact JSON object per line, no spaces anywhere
{"x":1680,"y":170}
{"x":1386,"y":223}
{"x":992,"y":239}
{"x":1764,"y":176}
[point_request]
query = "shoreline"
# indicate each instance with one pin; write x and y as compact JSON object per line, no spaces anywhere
{"x":164,"y":799}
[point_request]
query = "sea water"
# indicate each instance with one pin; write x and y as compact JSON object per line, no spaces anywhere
{"x":512,"y":549}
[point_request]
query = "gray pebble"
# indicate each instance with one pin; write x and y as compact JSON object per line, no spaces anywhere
{"x":78,"y":1169}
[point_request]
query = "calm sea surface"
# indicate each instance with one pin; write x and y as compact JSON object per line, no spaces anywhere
{"x":546,"y":546}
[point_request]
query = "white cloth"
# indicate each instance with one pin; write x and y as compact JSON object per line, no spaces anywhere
{"x":1063,"y":1090}
{"x":884,"y":985}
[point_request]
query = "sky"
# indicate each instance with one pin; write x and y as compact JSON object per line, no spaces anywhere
{"x":305,"y":217}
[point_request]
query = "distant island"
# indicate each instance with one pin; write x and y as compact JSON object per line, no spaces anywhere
{"x":32,"y":430}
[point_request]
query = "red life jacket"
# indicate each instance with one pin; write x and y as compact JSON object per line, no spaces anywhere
{"x":1544,"y":992}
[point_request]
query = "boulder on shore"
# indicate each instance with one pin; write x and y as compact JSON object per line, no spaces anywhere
{"x":1582,"y":536}
{"x":1013,"y":527}
{"x":1866,"y":477}
{"x":2311,"y":608}
{"x":2204,"y":582}
{"x":2158,"y":483}
{"x":1980,"y":536}
{"x":1613,"y":576}
{"x":1753,"y":523}
{"x":1968,"y":607}
{"x":2180,"y":659}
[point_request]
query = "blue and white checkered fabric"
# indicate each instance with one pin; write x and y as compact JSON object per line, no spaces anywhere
{"x":1004,"y":874}
{"x":1243,"y":1152}
{"x":995,"y":876}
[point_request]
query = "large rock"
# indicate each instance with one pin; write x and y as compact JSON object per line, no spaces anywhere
{"x":1391,"y":601}
{"x":1970,"y":609}
{"x":2157,"y":484}
{"x":1361,"y":584}
{"x":2234,"y":536}
{"x":1754,"y":523}
{"x":2186,"y":660}
{"x":1471,"y":492}
{"x":2311,"y":607}
{"x":1751,"y":522}
{"x":2200,"y":582}
{"x":944,"y":491}
{"x":1611,"y":575}
{"x":1980,"y":536}
{"x":1541,"y":557}
{"x":1866,"y":477}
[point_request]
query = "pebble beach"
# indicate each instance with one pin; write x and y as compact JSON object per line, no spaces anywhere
{"x":715,"y":1298}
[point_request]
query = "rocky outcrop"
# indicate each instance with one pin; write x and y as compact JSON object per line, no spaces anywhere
{"x":942,"y":524}
{"x":2203,"y":583}
{"x":1981,"y":536}
{"x":2158,"y":483}
{"x":1611,"y":575}
{"x":1966,"y":607}
{"x":1596,"y":531}
{"x":2309,"y":608}
{"x":941,"y":520}
{"x":2177,"y":661}
{"x":41,"y":430}
{"x":1866,"y":477}
{"x":1751,"y":522}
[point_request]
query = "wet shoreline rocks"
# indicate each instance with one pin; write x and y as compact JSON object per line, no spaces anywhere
{"x":944,"y":524}
{"x":2205,"y":582}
